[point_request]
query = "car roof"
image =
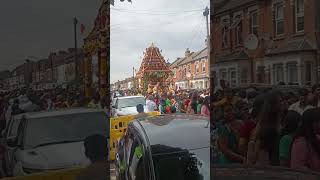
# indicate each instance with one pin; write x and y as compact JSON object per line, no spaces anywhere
{"x":128,"y":97}
{"x":177,"y":130}
{"x":59,"y":112}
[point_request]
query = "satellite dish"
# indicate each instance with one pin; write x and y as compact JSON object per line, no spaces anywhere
{"x":251,"y":42}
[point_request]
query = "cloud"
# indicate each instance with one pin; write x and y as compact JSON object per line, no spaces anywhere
{"x":172,"y":25}
{"x":38,"y":27}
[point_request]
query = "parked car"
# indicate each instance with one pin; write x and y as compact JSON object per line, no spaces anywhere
{"x":44,"y":141}
{"x":126,"y":105}
{"x":165,"y":147}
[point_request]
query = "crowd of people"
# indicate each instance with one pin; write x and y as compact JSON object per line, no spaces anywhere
{"x":176,"y":101}
{"x":27,"y":100}
{"x":271,"y":127}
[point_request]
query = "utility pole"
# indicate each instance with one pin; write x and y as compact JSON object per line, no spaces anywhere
{"x":206,"y":14}
{"x":134,"y":83}
{"x":75,"y":22}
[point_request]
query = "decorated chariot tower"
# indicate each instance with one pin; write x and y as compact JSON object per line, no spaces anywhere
{"x":154,"y":71}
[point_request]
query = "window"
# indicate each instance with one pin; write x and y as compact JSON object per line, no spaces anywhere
{"x":171,"y":168}
{"x":238,"y":30}
{"x":225,"y":31}
{"x":308,"y":72}
{"x":175,"y":73}
{"x":223,"y":74}
{"x":254,"y":23}
{"x":278,"y":73}
{"x":233,"y":77}
{"x":299,"y":14}
{"x":225,"y":37}
{"x":197,"y":67}
{"x":279,"y":18}
{"x":201,"y":85}
{"x":292,"y":72}
{"x":244,"y":76}
{"x":189,"y":68}
{"x":261,"y":74}
{"x":204,"y":66}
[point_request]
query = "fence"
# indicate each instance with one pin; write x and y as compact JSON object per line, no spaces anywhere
{"x":118,"y":127}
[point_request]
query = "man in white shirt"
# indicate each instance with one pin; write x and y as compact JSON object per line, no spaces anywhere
{"x":151,"y":105}
{"x":305,"y":102}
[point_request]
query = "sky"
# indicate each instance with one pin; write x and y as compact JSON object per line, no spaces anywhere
{"x":37,"y":27}
{"x":173,"y":26}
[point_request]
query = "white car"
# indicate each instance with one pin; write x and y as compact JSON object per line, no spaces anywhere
{"x":123,"y":106}
{"x":53,"y":140}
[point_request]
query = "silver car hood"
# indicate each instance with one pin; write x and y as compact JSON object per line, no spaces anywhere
{"x":57,"y":156}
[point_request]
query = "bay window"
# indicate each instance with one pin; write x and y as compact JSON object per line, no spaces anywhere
{"x":299,"y":15}
{"x":279,"y":18}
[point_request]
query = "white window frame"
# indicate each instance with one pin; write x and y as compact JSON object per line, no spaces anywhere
{"x":252,"y":27}
{"x":233,"y":80}
{"x":225,"y":24}
{"x":277,"y":18}
{"x":204,"y":66}
{"x":197,"y":67}
{"x":237,"y":25}
{"x":221,"y":72}
{"x":298,"y":15}
{"x":175,"y":72}
{"x":289,"y":66}
{"x":307,"y":73}
{"x":276,"y":77}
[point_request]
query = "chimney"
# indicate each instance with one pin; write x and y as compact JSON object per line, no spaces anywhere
{"x":187,"y":53}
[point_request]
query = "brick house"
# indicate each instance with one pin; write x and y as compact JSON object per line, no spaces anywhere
{"x":283,"y":48}
{"x":191,"y":71}
{"x":124,"y":84}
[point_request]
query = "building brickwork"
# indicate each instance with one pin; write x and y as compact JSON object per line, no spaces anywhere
{"x":287,"y":50}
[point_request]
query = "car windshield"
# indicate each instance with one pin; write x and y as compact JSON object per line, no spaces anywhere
{"x":193,"y":164}
{"x":65,"y":128}
{"x":131,"y":102}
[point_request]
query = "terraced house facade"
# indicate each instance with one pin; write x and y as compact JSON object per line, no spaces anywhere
{"x":265,"y":41}
{"x":192,"y":70}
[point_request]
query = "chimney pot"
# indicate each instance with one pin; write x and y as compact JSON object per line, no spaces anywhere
{"x":187,"y":53}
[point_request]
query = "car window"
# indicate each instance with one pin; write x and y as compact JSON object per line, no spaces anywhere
{"x":13,"y":131}
{"x":137,"y":167}
{"x":131,"y":102}
{"x":182,"y":165}
{"x":71,"y":127}
{"x":169,"y":169}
